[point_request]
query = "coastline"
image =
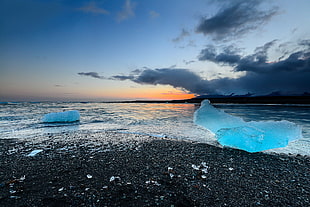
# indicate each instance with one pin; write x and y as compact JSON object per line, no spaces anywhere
{"x":304,"y":100}
{"x":141,"y":170}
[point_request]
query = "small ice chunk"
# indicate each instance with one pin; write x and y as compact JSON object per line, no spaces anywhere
{"x":89,"y":176}
{"x":34,"y":152}
{"x":152,"y":182}
{"x":66,"y":116}
{"x":205,"y":170}
{"x":112,"y":179}
{"x":22,"y":178}
{"x":202,"y":167}
{"x":204,"y":164}
{"x":13,"y":191}
{"x":251,"y":136}
{"x":195,"y":167}
{"x":115,"y":178}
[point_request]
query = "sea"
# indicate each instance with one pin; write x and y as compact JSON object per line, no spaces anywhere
{"x":23,"y":120}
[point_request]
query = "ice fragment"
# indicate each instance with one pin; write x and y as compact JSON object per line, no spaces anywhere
{"x":195,"y":167}
{"x":115,"y":178}
{"x":34,"y":152}
{"x":152,"y":182}
{"x":12,"y":191}
{"x":21,"y":179}
{"x":66,"y":116}
{"x":251,"y":136}
{"x":112,"y":179}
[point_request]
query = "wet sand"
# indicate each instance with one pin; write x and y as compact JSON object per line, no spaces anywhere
{"x":92,"y":171}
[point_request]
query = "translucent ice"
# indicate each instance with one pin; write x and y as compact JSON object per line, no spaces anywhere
{"x":214,"y":119}
{"x":251,"y":136}
{"x":34,"y":153}
{"x":66,"y":116}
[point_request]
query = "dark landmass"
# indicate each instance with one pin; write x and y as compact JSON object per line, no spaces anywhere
{"x":259,"y":100}
{"x":157,"y":172}
{"x":237,"y":100}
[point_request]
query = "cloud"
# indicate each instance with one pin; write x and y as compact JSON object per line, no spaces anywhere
{"x":127,"y":12}
{"x":258,"y":61}
{"x":227,"y":57}
{"x":122,"y":77}
{"x":178,"y":78}
{"x":183,"y":34}
{"x":91,"y":74}
{"x":290,"y":74}
{"x":235,"y":19}
{"x":136,"y":71}
{"x":93,"y":8}
{"x":174,"y":93}
{"x":188,"y":62}
{"x":154,"y":14}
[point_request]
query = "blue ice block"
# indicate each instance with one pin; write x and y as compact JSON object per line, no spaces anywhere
{"x":251,"y":136}
{"x":66,"y":116}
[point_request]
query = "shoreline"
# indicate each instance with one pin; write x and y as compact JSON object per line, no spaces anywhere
{"x":304,"y":100}
{"x":216,"y":99}
{"x":147,"y":171}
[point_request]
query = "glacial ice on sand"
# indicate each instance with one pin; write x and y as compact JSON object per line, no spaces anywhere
{"x":66,"y":116}
{"x":251,"y":136}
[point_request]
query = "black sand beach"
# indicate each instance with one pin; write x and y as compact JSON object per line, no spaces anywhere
{"x":154,"y":172}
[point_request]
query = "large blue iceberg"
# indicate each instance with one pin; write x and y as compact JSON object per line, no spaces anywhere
{"x":66,"y":116}
{"x":251,"y":136}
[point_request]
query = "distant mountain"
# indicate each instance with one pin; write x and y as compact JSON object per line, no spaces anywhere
{"x":249,"y":98}
{"x":272,"y":98}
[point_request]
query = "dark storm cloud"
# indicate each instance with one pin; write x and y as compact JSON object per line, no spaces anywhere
{"x":295,"y":62}
{"x":291,"y":74}
{"x":122,"y":77}
{"x":228,"y":56}
{"x":136,"y":71}
{"x":178,"y":78}
{"x":91,"y":74}
{"x":235,"y":19}
{"x":257,"y":62}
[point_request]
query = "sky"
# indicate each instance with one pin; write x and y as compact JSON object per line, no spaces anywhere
{"x":152,"y":49}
